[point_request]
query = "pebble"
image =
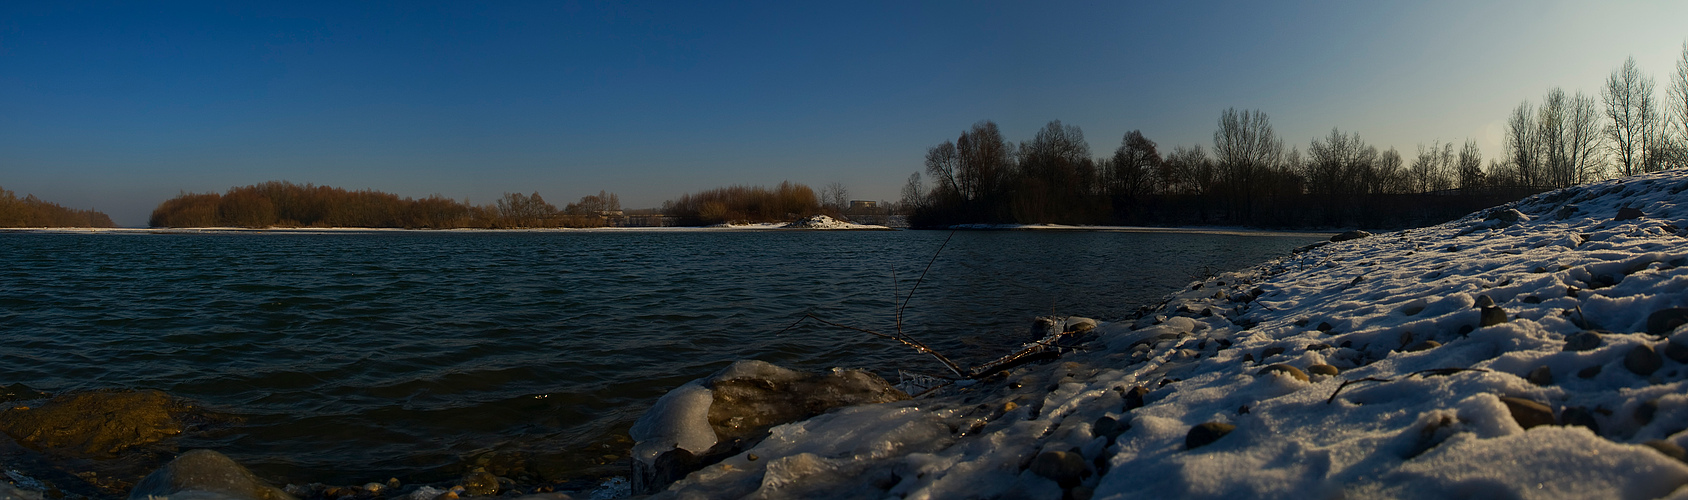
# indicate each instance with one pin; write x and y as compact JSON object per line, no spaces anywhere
{"x":1582,"y":341}
{"x":1323,"y":369}
{"x":1317,"y":347}
{"x":1064,"y":467}
{"x":1577,"y":415}
{"x":1676,"y":352}
{"x":480,"y":484}
{"x":1108,"y":427}
{"x":1528,"y":413}
{"x":1643,"y":360}
{"x":1532,"y":299}
{"x":1668,"y":448}
{"x":1483,"y":301}
{"x":1589,"y":372}
{"x":1493,"y":316}
{"x":1271,"y":351}
{"x":1628,"y":213}
{"x":1207,"y":433}
{"x":1644,"y":412}
{"x":1664,"y":321}
{"x":1423,"y":346}
{"x":1134,"y":398}
{"x":1542,"y":375}
{"x":1284,"y":369}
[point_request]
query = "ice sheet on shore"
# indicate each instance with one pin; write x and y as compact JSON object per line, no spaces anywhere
{"x":1399,"y":308}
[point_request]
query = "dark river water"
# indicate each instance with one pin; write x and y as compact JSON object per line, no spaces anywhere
{"x":354,"y":357}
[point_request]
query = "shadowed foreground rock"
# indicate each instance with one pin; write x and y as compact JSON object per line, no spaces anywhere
{"x":96,"y":424}
{"x":743,"y":401}
{"x":205,"y":475}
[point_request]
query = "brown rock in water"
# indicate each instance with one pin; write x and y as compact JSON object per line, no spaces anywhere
{"x":1322,"y":369}
{"x":1528,"y":413}
{"x":1064,"y":467}
{"x":205,"y":471}
{"x":1542,"y":375}
{"x":96,"y":424}
{"x":1643,"y":360}
{"x":1207,"y":433}
{"x":1492,"y":316}
{"x":752,"y":396}
{"x":1284,"y":369}
{"x":1664,"y":321}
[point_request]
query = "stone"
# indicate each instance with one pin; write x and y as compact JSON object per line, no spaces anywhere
{"x":97,"y":424}
{"x":1676,"y":352}
{"x":1484,"y":301}
{"x":1531,"y":299}
{"x":1134,"y":398}
{"x":1627,"y":213}
{"x":1284,"y":369}
{"x":1350,"y":235}
{"x":1108,"y":427}
{"x":1577,"y":415}
{"x":1466,"y":329}
{"x":9,"y":492}
{"x":1423,"y":346}
{"x":1643,"y":360}
{"x":1317,"y":347}
{"x":1492,"y":316}
{"x":1582,"y":341}
{"x":208,"y":473}
{"x":1542,"y":375}
{"x":1566,"y":211}
{"x":1322,"y":369}
{"x":1076,"y":324}
{"x":1271,"y":351}
{"x":1589,"y":372}
{"x":19,"y":392}
{"x":1325,"y":327}
{"x":1205,"y":434}
{"x":1668,"y":448}
{"x":480,"y":483}
{"x":1664,"y":321}
{"x":1527,"y":413}
{"x":1645,"y":411}
{"x":1064,"y":467}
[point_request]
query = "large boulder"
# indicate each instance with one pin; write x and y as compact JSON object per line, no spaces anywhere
{"x":715,"y":417}
{"x":96,"y":424}
{"x":205,"y":475}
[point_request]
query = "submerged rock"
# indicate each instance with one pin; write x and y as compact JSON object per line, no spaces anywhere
{"x":204,"y":475}
{"x":96,"y":424}
{"x":714,"y":417}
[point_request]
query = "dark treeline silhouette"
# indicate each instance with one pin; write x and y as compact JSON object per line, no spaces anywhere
{"x":1249,"y":178}
{"x":30,"y":211}
{"x":285,"y":204}
{"x":740,"y":204}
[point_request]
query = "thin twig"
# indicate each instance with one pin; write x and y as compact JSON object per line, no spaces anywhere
{"x":922,"y":278}
{"x":1345,"y":384}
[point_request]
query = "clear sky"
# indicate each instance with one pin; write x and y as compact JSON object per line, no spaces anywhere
{"x":117,"y":106}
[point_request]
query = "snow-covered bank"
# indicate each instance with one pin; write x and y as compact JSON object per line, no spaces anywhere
{"x":1533,"y":350}
{"x":1222,"y":230}
{"x":813,"y":223}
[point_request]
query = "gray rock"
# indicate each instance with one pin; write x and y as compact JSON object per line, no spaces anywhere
{"x":1627,"y":213}
{"x":1492,"y":316}
{"x":1582,"y":341}
{"x":1109,"y":428}
{"x":1645,"y":411}
{"x":1134,"y":398}
{"x":1423,"y":346}
{"x":97,"y":424}
{"x":9,"y":492}
{"x":1284,"y":369}
{"x":1676,"y":352}
{"x":1350,"y":235}
{"x":1664,"y":321}
{"x":1542,"y":375}
{"x":1205,"y":434}
{"x":1589,"y":372}
{"x":1528,"y":413}
{"x":1064,"y":467}
{"x":1577,"y":415}
{"x":203,"y":474}
{"x":1566,"y":211}
{"x":1271,"y":351}
{"x":1643,"y":360}
{"x":1484,"y":301}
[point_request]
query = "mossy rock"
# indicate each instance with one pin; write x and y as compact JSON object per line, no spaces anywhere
{"x":97,"y":424}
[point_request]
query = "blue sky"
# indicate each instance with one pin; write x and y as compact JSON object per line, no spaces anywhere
{"x":117,"y":105}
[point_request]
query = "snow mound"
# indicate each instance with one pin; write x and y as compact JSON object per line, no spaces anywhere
{"x":1532,"y":350}
{"x":825,"y":222}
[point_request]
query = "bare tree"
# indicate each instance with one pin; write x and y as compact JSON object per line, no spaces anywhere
{"x":1677,"y":110}
{"x":1634,"y":118}
{"x":914,"y":194}
{"x":1131,"y":172}
{"x":835,"y":197}
{"x":1568,"y":131}
{"x":984,"y":160}
{"x":1523,"y":146}
{"x":1470,"y":167}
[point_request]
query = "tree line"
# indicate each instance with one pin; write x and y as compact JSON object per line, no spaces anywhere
{"x":1249,"y":177}
{"x":30,"y":211}
{"x":748,"y":204}
{"x":285,"y":204}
